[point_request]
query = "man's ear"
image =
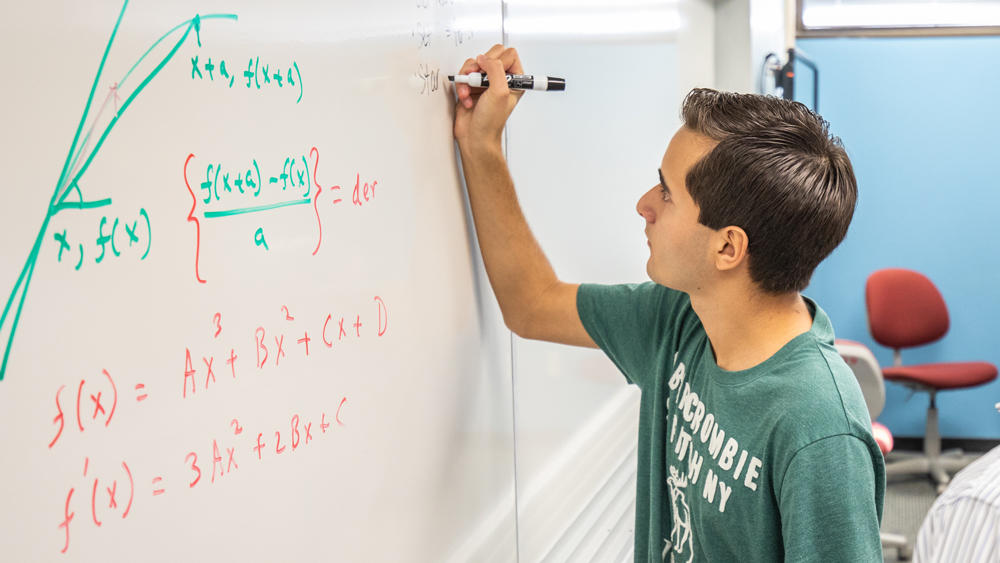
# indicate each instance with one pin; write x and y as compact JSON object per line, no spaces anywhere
{"x":731,"y":248}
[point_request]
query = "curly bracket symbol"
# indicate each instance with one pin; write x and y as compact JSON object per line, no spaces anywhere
{"x":319,"y":189}
{"x":192,"y":219}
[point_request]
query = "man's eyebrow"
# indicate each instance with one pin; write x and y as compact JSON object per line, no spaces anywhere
{"x":662,"y":181}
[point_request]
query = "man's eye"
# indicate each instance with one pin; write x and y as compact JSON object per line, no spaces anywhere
{"x":666,"y":194}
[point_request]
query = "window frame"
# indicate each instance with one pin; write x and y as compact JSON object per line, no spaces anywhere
{"x":801,"y":31}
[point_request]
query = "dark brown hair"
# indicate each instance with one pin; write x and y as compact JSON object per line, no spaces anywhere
{"x":778,"y":174}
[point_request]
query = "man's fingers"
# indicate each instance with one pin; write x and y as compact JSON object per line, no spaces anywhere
{"x":508,"y":56}
{"x":495,"y":72}
{"x":463,"y":90}
{"x":511,"y":62}
{"x":469,"y":101}
{"x":495,"y":51}
{"x":495,"y":63}
{"x":470,"y":65}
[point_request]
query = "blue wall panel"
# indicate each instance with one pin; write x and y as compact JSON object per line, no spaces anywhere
{"x":920,"y":121}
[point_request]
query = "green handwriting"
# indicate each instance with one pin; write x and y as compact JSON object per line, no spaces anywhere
{"x":255,"y":209}
{"x":71,"y":174}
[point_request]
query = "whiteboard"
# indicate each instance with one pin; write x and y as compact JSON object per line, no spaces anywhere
{"x":245,"y":318}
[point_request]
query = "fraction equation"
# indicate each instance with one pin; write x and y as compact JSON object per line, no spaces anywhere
{"x":243,"y":189}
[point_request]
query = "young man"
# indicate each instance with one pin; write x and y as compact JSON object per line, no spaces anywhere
{"x":754,"y":440}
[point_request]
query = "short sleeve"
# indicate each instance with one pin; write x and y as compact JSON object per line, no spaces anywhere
{"x":629,"y":323}
{"x":830,"y":502}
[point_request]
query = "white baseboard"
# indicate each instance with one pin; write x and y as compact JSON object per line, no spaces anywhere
{"x":581,"y":506}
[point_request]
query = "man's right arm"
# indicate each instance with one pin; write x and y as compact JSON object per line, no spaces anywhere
{"x":534,"y":302}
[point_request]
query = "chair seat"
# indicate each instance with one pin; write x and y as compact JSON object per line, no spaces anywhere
{"x":882,"y":437}
{"x":951,"y":375}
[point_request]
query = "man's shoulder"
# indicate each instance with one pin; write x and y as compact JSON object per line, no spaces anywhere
{"x":816,"y":396}
{"x":645,"y":307}
{"x":603,"y":295}
{"x":820,"y":412}
{"x":637,"y":325}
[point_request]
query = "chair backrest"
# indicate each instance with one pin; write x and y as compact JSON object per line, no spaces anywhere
{"x":866,"y":369}
{"x":904,"y":308}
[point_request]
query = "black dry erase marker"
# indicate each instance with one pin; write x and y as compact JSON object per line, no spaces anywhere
{"x":514,"y":81}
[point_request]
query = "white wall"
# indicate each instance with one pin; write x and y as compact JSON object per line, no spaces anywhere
{"x":745,"y":32}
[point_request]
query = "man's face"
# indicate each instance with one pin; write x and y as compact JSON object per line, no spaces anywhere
{"x":679,"y":252}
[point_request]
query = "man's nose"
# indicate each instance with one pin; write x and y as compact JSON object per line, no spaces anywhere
{"x":644,"y":208}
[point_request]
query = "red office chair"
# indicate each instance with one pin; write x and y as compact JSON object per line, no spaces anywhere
{"x":906,"y":310}
{"x":869,"y":375}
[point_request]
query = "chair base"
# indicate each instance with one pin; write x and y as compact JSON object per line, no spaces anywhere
{"x":904,"y":551}
{"x":932,"y":461}
{"x":937,"y":468}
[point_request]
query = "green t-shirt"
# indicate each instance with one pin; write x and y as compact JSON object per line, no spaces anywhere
{"x":773,"y":463}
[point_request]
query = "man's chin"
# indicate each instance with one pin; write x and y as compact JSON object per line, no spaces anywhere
{"x":653,"y":275}
{"x":660,"y":279}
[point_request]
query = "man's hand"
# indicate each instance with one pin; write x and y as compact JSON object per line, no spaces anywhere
{"x":481,"y":114}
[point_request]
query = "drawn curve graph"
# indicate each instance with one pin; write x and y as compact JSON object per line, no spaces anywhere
{"x":82,"y":152}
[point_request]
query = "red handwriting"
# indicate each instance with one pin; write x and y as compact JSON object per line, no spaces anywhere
{"x":59,"y":417}
{"x":193,"y":459}
{"x":361,"y":194}
{"x":383,"y":316}
{"x":273,"y":346}
{"x":298,"y":434}
{"x":339,"y":408}
{"x":314,"y":154}
{"x":113,"y":492}
{"x":192,"y":219}
{"x":67,"y":519}
{"x":189,"y":371}
{"x":232,"y":361}
{"x":102,"y":406}
{"x":216,"y":459}
{"x":103,"y":500}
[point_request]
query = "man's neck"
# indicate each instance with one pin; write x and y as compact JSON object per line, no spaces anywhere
{"x":746,"y":330}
